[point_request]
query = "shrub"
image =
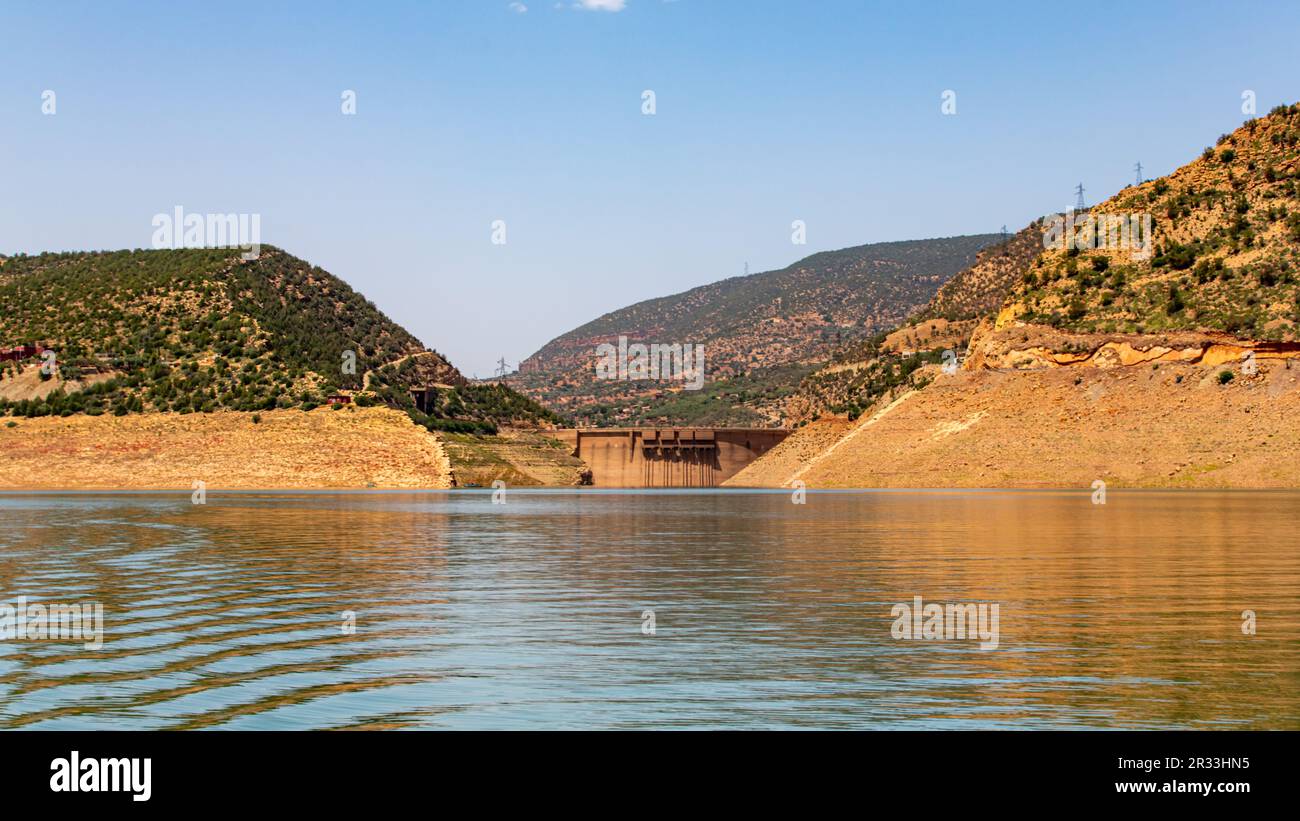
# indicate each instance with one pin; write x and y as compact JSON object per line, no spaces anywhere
{"x":1181,"y":257}
{"x":1225,"y":377}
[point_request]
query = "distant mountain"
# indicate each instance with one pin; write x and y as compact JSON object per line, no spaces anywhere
{"x":947,"y":320}
{"x":204,"y":330}
{"x":761,"y":334}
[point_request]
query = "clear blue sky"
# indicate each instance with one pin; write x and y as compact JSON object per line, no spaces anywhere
{"x":470,"y":111}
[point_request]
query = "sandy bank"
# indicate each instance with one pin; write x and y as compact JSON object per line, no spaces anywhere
{"x":1171,"y":426}
{"x":348,"y":448}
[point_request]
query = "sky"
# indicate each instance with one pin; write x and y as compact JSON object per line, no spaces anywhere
{"x":470,"y":114}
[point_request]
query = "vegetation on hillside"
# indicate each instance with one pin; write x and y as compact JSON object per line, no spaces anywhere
{"x":751,"y":399}
{"x":762,"y":333}
{"x":200,"y":330}
{"x":980,"y":290}
{"x":850,"y":389}
{"x":1226,"y":253}
{"x":1225,"y":257}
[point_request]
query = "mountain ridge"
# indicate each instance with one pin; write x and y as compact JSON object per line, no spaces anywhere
{"x":762,"y":333}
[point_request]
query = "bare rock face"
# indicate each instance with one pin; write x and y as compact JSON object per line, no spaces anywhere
{"x":1022,"y":347}
{"x":1179,"y":425}
{"x":428,"y":368}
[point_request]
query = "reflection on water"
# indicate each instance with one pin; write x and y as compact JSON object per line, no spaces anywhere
{"x":767,"y":614}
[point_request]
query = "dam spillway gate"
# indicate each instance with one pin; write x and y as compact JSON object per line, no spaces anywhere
{"x":668,"y":457}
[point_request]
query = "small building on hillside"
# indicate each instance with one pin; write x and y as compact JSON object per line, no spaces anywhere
{"x":424,"y":398}
{"x":20,"y":352}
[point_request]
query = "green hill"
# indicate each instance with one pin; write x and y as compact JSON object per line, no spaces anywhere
{"x":200,"y":330}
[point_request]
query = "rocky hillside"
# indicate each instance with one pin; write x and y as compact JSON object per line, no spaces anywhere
{"x":1162,"y":361}
{"x":863,"y":370}
{"x":1222,"y":268}
{"x":761,"y":334}
{"x":1204,"y":268}
{"x":202,"y":330}
{"x":981,"y":289}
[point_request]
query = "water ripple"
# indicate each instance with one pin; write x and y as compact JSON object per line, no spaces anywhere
{"x":767,"y":614}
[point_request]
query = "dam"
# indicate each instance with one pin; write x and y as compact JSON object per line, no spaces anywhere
{"x":668,"y":457}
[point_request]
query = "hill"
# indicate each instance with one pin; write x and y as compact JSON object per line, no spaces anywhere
{"x":202,"y":330}
{"x":761,"y":334}
{"x":863,"y":370}
{"x":1223,"y":262}
{"x":981,"y":289}
{"x":1176,"y":427}
{"x":1163,"y":360}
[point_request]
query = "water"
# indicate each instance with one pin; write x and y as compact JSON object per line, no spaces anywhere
{"x":767,"y":614}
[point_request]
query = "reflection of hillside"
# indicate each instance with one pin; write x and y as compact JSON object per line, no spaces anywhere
{"x":1109,"y":614}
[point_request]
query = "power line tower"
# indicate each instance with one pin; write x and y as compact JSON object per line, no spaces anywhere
{"x":1138,"y":168}
{"x":1078,"y":191}
{"x":502,"y":369}
{"x":746,"y":269}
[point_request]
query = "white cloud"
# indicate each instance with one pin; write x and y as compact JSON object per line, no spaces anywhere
{"x":517,"y":6}
{"x":602,"y":5}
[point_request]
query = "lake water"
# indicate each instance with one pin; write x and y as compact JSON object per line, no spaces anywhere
{"x":766,"y":614}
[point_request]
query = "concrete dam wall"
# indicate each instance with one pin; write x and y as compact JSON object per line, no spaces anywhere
{"x":668,"y":457}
